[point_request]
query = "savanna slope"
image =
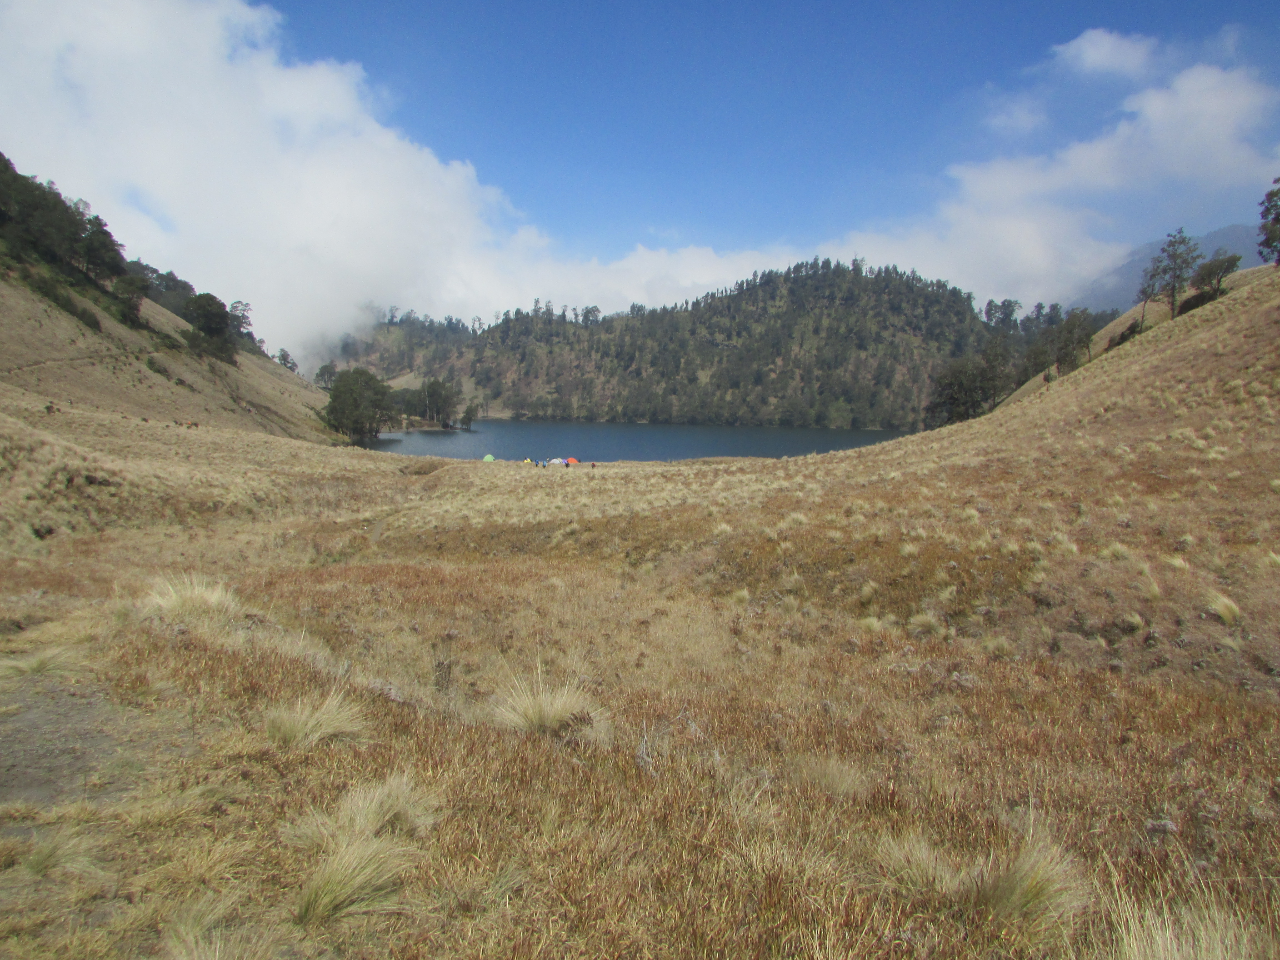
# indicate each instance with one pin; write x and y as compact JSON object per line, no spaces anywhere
{"x":819,"y":344}
{"x":1003,"y":689}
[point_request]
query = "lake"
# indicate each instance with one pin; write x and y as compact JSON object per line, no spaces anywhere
{"x":603,"y":442}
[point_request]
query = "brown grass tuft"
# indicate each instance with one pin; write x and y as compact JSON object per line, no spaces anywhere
{"x":360,"y":876}
{"x":563,"y":712}
{"x":305,"y":724}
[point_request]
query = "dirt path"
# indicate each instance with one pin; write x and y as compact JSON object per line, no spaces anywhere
{"x":63,"y":739}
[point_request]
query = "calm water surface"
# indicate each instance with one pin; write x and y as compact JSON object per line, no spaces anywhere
{"x":602,"y":442}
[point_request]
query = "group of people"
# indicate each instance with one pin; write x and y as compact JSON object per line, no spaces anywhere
{"x":555,"y":462}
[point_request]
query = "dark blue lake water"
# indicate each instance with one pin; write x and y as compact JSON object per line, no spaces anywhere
{"x":602,"y":442}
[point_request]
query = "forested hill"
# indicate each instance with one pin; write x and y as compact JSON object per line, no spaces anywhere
{"x":818,"y":344}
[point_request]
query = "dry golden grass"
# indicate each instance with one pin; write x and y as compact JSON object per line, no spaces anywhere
{"x":304,"y":725}
{"x":785,"y":683}
{"x":360,"y":875}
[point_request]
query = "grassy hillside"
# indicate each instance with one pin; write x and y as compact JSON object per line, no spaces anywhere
{"x":1008,"y":688}
{"x":819,"y":344}
{"x":52,"y":356}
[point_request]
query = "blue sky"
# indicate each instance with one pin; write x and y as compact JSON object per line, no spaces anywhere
{"x":323,"y":158}
{"x":733,"y":125}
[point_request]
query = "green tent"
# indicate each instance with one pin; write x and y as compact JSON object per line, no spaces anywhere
{"x":488,"y":458}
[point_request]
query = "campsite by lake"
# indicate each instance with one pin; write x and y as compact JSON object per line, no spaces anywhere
{"x":604,"y":442}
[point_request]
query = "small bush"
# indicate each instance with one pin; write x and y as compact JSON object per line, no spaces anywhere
{"x":832,"y":775}
{"x":397,"y":805}
{"x":919,"y":867}
{"x":63,"y":850}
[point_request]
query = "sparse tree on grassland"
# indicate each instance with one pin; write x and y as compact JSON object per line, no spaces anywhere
{"x":1174,"y":265}
{"x":469,"y":415}
{"x":359,"y":404}
{"x":325,"y":375}
{"x":286,"y":361}
{"x":1148,"y":291}
{"x":1269,"y":229}
{"x":1213,"y":272}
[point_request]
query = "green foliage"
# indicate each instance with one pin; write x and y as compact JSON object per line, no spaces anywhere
{"x":434,"y":400}
{"x":155,"y":366}
{"x":48,"y":286}
{"x":213,"y":331}
{"x":1211,"y":274}
{"x":818,"y":344}
{"x":130,"y":291}
{"x":37,"y":222}
{"x":286,"y":361}
{"x":1173,"y":267}
{"x":1269,"y":229}
{"x":325,"y":375}
{"x":469,"y":415}
{"x":165,"y":289}
{"x":220,"y":348}
{"x":359,"y":404}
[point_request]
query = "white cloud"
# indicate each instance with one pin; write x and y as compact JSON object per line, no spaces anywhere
{"x":1017,"y":114}
{"x":276,"y":182}
{"x":1026,"y":227}
{"x":1101,"y":51}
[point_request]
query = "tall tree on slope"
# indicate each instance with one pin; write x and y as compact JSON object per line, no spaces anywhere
{"x":1174,"y":266}
{"x":1269,"y":229}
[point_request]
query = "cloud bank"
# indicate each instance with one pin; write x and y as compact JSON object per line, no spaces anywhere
{"x":277,"y":182}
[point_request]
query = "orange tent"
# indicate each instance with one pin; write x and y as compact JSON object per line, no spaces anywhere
{"x":572,"y":460}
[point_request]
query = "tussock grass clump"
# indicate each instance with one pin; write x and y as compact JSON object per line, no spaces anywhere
{"x":1222,"y":607}
{"x":1116,"y":551}
{"x":1040,"y":886}
{"x":63,"y":850}
{"x":54,"y":661}
{"x":925,"y":626}
{"x":304,"y":725}
{"x":360,"y":876}
{"x":194,"y":597}
{"x":833,"y":775}
{"x":1209,"y":930}
{"x":998,"y":648}
{"x":194,"y":933}
{"x":565,"y":712}
{"x":395,"y":806}
{"x":917,"y":866}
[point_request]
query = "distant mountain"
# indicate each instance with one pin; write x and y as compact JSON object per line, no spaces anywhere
{"x":1116,"y":290}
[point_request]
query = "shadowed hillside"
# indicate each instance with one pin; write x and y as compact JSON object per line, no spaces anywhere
{"x":1008,"y":688}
